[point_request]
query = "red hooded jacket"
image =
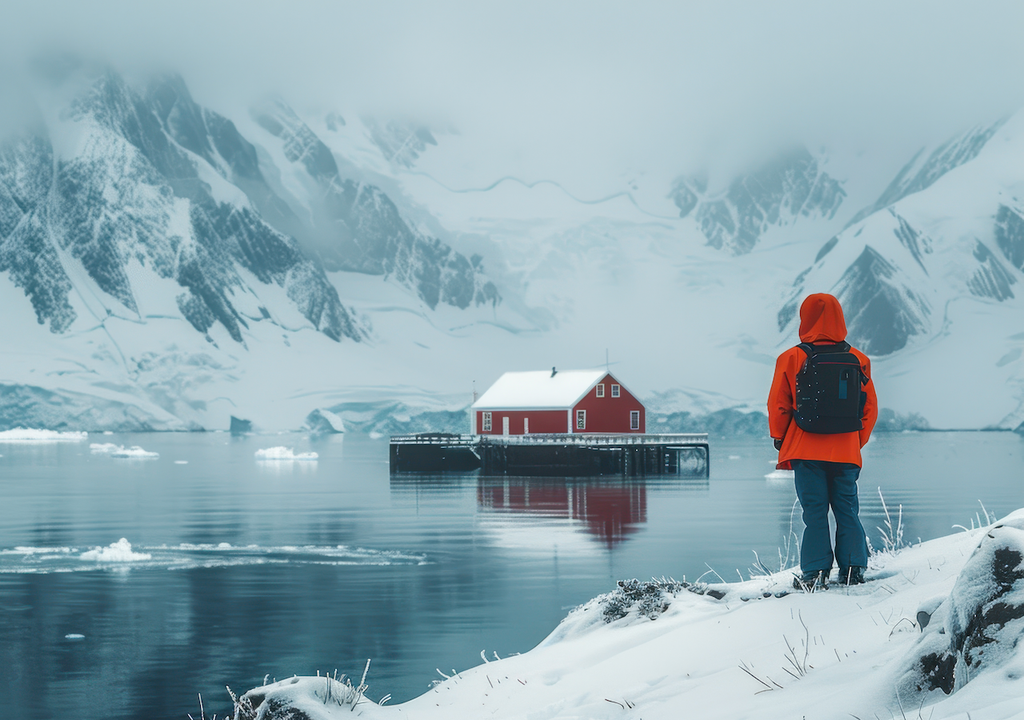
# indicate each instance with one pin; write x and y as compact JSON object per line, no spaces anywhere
{"x":821,"y":321}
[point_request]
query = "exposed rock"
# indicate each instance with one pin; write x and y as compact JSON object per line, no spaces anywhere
{"x":401,"y":143}
{"x":920,"y":173}
{"x":356,"y":227}
{"x":978,"y":628}
{"x":303,"y":698}
{"x":882,"y":313}
{"x":778,"y":193}
{"x":240,"y":426}
{"x":133,"y":193}
{"x":1009,"y":234}
{"x":990,"y":279}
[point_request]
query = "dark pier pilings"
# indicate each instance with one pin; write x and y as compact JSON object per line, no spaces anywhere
{"x":567,"y":455}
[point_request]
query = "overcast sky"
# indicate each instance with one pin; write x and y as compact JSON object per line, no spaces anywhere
{"x":671,"y":82}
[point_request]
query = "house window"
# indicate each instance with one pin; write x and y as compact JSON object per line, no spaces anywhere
{"x":581,"y":419}
{"x":634,"y":419}
{"x":600,"y":389}
{"x":615,"y":390}
{"x":487,"y":422}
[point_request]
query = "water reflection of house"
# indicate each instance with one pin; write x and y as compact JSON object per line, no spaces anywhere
{"x":608,"y":510}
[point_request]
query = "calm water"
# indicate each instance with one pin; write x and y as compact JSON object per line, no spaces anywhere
{"x":259,"y":568}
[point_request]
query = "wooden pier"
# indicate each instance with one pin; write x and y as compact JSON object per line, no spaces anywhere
{"x":561,"y":454}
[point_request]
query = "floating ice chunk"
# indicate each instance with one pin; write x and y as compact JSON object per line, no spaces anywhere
{"x":29,"y":550}
{"x":780,"y":475}
{"x":181,"y":462}
{"x":74,"y":636}
{"x":284,"y":453}
{"x":119,"y":552}
{"x":30,"y":435}
{"x":134,"y":452}
{"x":119,"y":451}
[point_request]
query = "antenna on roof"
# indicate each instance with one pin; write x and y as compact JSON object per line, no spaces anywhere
{"x":553,"y":371}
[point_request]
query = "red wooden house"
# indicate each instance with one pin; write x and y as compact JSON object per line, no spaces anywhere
{"x":564,"y":401}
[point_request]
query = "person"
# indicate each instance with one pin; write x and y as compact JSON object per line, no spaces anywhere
{"x":826,"y":465}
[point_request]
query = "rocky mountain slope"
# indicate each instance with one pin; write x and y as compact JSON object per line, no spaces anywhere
{"x":168,"y":266}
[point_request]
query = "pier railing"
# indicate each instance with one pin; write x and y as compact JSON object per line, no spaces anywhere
{"x":452,"y":439}
{"x":589,"y":439}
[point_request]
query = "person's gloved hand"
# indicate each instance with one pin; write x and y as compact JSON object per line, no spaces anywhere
{"x":778,"y":443}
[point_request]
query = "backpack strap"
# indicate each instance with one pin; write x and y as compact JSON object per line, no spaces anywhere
{"x":811,"y":348}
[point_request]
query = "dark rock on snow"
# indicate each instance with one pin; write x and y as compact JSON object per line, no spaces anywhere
{"x":979,"y":626}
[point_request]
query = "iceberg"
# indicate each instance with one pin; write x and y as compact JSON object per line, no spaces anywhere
{"x":285,"y":454}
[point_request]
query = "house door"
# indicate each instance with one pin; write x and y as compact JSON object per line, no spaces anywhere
{"x":504,"y":426}
{"x":526,"y":426}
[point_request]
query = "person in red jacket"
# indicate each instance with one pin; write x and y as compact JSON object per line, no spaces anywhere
{"x":826,"y":466}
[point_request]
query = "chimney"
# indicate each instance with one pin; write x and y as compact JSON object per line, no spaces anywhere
{"x":553,"y":371}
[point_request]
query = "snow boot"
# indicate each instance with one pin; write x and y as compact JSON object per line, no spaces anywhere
{"x":811,"y":581}
{"x":853,"y":575}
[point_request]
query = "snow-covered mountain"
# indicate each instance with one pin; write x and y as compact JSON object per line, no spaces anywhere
{"x":930,"y":277}
{"x":778,"y":194}
{"x":167,"y":266}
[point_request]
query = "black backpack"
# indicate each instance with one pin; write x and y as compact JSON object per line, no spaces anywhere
{"x":829,"y":396}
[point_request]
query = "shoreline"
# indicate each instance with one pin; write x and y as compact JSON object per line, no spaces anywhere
{"x":754,"y":648}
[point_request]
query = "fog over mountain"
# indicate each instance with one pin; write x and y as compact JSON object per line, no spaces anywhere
{"x":257,"y":212}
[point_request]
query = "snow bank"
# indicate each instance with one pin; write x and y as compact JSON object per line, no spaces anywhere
{"x":284,"y":453}
{"x":30,"y":435}
{"x":118,"y":552}
{"x":750,"y":649}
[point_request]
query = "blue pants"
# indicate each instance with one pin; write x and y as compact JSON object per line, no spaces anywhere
{"x":819,"y":486}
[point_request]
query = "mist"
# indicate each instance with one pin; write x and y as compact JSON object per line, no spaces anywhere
{"x":578,"y":88}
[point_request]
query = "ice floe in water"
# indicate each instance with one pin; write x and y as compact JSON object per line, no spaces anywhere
{"x":186,"y":556}
{"x":30,"y":435}
{"x":74,"y":636}
{"x":118,"y":552}
{"x":284,"y":453}
{"x":779,"y":475}
{"x":120,"y":451}
{"x":134,"y":452}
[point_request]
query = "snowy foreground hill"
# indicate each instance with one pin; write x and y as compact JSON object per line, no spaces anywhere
{"x":935,"y":633}
{"x":167,"y":266}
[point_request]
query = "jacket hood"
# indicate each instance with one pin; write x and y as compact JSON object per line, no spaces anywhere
{"x":821,"y":319}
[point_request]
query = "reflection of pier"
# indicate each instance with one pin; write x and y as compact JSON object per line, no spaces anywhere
{"x":609,"y":510}
{"x":562,"y":454}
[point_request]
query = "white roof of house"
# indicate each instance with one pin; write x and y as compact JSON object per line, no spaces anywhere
{"x":539,"y":390}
